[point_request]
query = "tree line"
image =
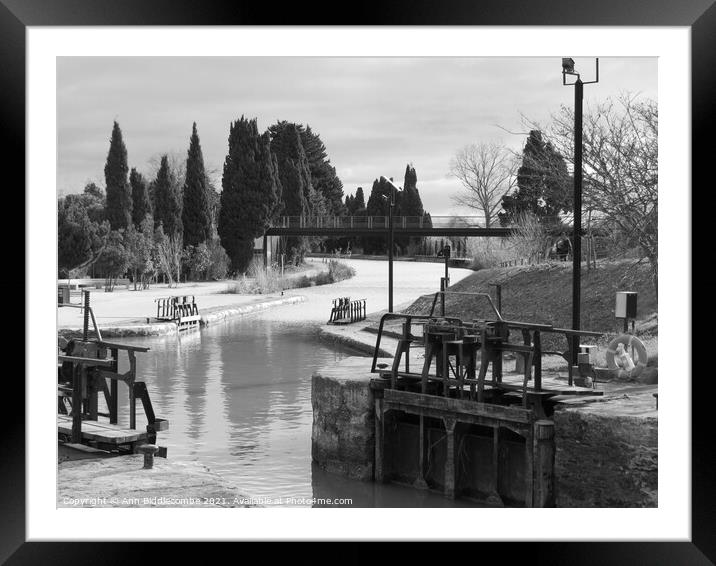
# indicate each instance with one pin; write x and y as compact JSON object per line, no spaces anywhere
{"x":178,"y":224}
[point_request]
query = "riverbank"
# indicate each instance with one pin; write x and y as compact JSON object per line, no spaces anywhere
{"x":125,"y":312}
{"x":241,"y":305}
{"x":121,"y":481}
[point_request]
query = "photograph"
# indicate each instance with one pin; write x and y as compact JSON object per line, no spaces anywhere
{"x":407,"y":273}
{"x":357,"y":282}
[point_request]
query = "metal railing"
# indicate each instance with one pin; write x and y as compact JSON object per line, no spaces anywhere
{"x":346,"y":310}
{"x":173,"y":308}
{"x":381,"y":222}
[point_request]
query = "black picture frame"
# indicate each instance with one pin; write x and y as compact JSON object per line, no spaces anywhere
{"x":698,"y":15}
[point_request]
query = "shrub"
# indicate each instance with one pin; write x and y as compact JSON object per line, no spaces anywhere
{"x":270,"y":280}
{"x":486,"y":253}
{"x":338,"y":271}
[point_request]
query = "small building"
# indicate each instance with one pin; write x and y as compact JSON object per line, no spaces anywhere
{"x":272,"y":247}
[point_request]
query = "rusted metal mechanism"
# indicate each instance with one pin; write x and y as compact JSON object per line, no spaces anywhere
{"x":89,"y":367}
{"x":461,"y":354}
{"x":181,"y":309}
{"x":345,"y":310}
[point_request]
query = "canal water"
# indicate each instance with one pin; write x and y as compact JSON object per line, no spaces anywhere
{"x":238,"y":399}
{"x":238,"y":394}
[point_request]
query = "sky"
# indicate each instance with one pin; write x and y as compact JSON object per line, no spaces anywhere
{"x":374,"y":114}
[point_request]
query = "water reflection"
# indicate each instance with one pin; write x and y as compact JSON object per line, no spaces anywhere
{"x":238,"y":399}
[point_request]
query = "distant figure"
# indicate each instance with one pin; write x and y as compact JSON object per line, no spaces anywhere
{"x":623,"y":360}
{"x":563,"y":246}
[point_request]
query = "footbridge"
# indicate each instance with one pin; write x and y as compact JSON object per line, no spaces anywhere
{"x":343,"y":226}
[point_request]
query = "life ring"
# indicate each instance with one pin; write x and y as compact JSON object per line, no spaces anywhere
{"x":628,"y":340}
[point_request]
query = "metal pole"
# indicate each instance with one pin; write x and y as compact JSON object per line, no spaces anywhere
{"x":577,"y":251}
{"x":390,"y":253}
{"x":265,"y":251}
{"x":85,"y":325}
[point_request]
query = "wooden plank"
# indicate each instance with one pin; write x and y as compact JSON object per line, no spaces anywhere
{"x":458,"y":405}
{"x":84,"y":448}
{"x":123,"y":346}
{"x":574,"y":390}
{"x":92,"y":430}
{"x":572,"y":332}
{"x":86,"y":361}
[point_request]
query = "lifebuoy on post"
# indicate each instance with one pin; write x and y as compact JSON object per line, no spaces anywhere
{"x":627,"y":341}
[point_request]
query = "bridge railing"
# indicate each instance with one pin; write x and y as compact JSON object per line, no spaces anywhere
{"x":379,"y":222}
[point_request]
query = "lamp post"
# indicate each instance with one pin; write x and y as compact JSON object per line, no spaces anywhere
{"x":391,"y":235}
{"x":568,"y":69}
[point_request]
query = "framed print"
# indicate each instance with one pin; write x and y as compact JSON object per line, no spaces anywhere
{"x":411,"y":84}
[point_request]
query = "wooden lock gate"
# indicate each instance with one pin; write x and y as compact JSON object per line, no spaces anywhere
{"x":345,"y":310}
{"x":181,"y":309}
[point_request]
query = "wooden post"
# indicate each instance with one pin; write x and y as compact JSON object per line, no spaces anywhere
{"x":132,"y":399}
{"x":538,"y":361}
{"x":520,"y":360}
{"x":494,"y":478}
{"x":77,"y":376}
{"x":113,"y":402}
{"x":529,"y":468}
{"x":543,"y":491}
{"x":446,"y":366}
{"x":93,"y":391}
{"x":379,"y":438}
{"x":450,"y":463}
{"x":420,"y":482}
{"x":406,"y":336}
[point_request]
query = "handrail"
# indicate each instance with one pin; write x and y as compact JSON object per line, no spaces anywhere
{"x":489,"y":299}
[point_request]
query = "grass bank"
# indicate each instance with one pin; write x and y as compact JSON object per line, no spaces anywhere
{"x":543,"y":294}
{"x":263,"y":281}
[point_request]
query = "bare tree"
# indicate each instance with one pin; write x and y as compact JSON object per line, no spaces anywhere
{"x":486,"y":172}
{"x":530,"y":238}
{"x":168,"y":252}
{"x":620,"y":166}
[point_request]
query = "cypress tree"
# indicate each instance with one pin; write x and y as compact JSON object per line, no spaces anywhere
{"x":359,"y":202}
{"x":411,"y":204}
{"x":196,"y":211}
{"x":167,"y":200}
{"x":251,"y":191}
{"x":543,"y":184}
{"x":323,"y":174}
{"x":377,"y":205}
{"x":141,"y":203}
{"x":297,"y":189}
{"x":119,"y":194}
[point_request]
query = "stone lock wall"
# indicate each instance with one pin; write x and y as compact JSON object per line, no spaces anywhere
{"x":606,"y":453}
{"x":343,"y":436}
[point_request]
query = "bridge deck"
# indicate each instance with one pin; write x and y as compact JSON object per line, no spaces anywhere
{"x":380,"y":226}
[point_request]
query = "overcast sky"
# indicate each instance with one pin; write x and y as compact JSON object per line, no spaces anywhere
{"x":374,"y":115}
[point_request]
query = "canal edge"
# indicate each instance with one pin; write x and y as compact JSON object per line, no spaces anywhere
{"x":165,"y":328}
